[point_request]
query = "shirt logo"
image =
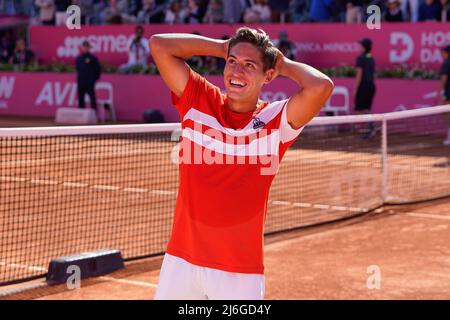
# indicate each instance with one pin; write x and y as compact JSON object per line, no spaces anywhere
{"x":257,"y":123}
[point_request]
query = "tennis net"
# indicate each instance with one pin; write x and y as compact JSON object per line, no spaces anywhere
{"x":66,"y":190}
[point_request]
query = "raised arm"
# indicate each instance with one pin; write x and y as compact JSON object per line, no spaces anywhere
{"x":170,"y":51}
{"x":315,"y":90}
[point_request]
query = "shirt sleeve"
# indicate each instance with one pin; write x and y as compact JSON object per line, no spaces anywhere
{"x":287,"y":133}
{"x":195,"y":85}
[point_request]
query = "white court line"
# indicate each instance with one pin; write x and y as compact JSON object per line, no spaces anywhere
{"x":306,"y":157}
{"x":22,"y":266}
{"x":132,"y":282}
{"x":33,"y":268}
{"x":7,"y":292}
{"x":316,"y":206}
{"x":85,"y":185}
{"x":428,"y":215}
{"x":112,"y":188}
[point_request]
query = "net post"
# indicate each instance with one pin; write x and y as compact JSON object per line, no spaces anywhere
{"x":384,"y":182}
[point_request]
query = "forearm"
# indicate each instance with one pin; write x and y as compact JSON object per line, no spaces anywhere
{"x":442,"y":83}
{"x":305,"y":75}
{"x":357,"y":82}
{"x":184,"y":46}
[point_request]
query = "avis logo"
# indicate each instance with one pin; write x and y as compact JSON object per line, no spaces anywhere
{"x":404,"y":47}
{"x":6,"y":90}
{"x":59,"y":94}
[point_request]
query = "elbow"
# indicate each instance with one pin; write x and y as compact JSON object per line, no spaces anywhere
{"x":324,"y":87}
{"x":328,"y":87}
{"x":154,"y":42}
{"x":160,"y":43}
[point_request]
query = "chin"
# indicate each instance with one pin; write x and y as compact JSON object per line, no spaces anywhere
{"x":236,"y":96}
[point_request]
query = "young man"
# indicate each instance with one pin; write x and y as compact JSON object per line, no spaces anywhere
{"x":228,"y":140}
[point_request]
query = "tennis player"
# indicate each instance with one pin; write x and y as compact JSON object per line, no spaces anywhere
{"x":230,"y":144}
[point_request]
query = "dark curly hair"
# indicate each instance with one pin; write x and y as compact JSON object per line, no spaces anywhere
{"x":259,"y":39}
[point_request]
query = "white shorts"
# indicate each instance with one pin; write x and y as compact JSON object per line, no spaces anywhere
{"x":181,"y":280}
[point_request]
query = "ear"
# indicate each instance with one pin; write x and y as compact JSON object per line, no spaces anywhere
{"x":269,"y":76}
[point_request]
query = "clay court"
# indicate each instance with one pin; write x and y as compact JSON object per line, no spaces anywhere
{"x":408,"y":244}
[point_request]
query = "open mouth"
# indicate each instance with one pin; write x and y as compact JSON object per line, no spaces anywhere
{"x":237,"y":84}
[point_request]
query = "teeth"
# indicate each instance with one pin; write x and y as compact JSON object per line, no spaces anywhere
{"x":238,"y":83}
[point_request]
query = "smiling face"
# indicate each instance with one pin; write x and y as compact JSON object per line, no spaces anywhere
{"x":244,"y":74}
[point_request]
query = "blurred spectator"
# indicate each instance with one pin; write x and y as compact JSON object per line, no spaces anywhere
{"x":175,"y":14}
{"x":7,"y":7}
{"x":279,"y":9}
{"x":61,"y":11}
{"x":214,"y":12}
{"x":203,"y":6}
{"x":112,"y":14}
{"x":258,"y":12}
{"x":88,"y":72}
{"x":151,"y":12}
{"x":99,"y":7}
{"x":46,"y":11}
{"x":338,"y":10}
{"x":86,"y":9}
{"x":134,"y":6}
{"x":17,"y":7}
{"x":429,"y":10}
{"x":298,"y":10}
{"x":233,"y":10}
{"x":413,"y":14}
{"x":193,"y":12}
{"x":116,"y":13}
{"x":445,"y":11}
{"x":393,"y":12}
{"x":319,"y":10}
{"x":138,"y":51}
{"x":6,"y":47}
{"x":353,"y":13}
{"x":286,"y":46}
{"x":22,"y":56}
{"x":25,"y":7}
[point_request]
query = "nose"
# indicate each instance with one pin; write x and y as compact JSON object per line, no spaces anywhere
{"x":236,"y":69}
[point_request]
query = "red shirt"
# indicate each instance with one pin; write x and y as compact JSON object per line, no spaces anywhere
{"x":227,"y":163}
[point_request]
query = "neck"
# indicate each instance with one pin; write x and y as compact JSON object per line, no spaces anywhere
{"x":242,"y":106}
